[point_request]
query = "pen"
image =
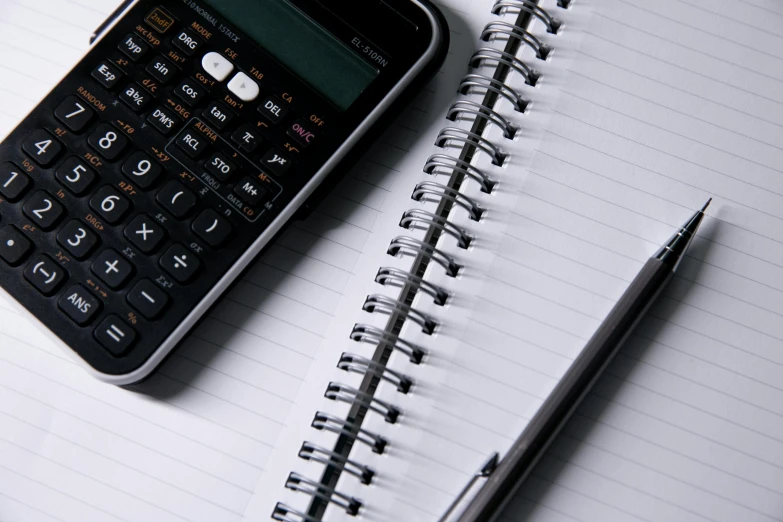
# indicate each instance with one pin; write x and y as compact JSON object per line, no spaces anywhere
{"x":580,"y":377}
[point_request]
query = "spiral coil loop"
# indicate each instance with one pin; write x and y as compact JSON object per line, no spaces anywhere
{"x":358,"y":364}
{"x":443,"y":164}
{"x":375,"y":369}
{"x":494,"y":29}
{"x":364,"y":333}
{"x":304,"y":485}
{"x":410,"y":217}
{"x":325,"y":421}
{"x":340,"y":392}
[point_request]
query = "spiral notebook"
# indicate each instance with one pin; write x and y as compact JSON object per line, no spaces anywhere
{"x":378,"y":353}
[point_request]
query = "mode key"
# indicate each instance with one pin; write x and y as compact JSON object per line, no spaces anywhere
{"x":80,"y":305}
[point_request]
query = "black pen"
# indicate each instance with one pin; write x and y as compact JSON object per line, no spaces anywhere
{"x":580,"y":377}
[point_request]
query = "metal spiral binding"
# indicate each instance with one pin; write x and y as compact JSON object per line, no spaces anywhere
{"x":310,"y":451}
{"x":324,"y":421}
{"x":365,"y":333}
{"x":340,"y":392}
{"x":381,"y":303}
{"x":458,"y":169}
{"x":426,"y":188}
{"x":410,"y":217}
{"x":492,"y":55}
{"x":358,"y":364}
{"x":302,"y":484}
{"x":493,"y":29}
{"x":447,"y":165}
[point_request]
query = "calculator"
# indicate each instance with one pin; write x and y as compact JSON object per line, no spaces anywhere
{"x":188,"y":136}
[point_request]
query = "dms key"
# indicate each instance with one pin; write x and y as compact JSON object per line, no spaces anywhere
{"x":191,"y":133}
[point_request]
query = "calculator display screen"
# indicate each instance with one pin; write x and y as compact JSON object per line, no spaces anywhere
{"x":302,"y":45}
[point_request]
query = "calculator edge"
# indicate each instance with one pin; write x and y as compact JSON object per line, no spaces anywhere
{"x":285,"y":216}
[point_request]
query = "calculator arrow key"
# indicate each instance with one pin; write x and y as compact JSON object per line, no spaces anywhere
{"x":244,"y":87}
{"x":217,"y":66}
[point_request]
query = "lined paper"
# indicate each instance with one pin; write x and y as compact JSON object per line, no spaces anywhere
{"x":192,"y":443}
{"x":644,"y":111}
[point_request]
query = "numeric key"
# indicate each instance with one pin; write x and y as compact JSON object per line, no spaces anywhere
{"x":110,"y":204}
{"x":108,"y":141}
{"x":74,"y":114}
{"x":43,"y":209}
{"x":112,"y":269}
{"x":75,"y":175}
{"x":13,"y":182}
{"x":42,"y":147}
{"x":142,"y":170}
{"x":78,"y":239}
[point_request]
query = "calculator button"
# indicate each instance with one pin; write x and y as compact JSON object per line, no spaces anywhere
{"x":80,"y":305}
{"x":145,"y":234}
{"x":212,"y":228}
{"x":247,"y":138}
{"x":217,"y":66}
{"x":192,"y":143}
{"x":276,"y":161}
{"x":250,"y":191}
{"x":148,"y":299}
{"x":110,"y":204}
{"x":273,"y":109}
{"x":78,"y":239}
{"x":13,"y":182}
{"x":45,"y":275}
{"x":244,"y":87}
{"x":42,"y":147}
{"x":142,"y":170}
{"x":190,"y":92}
{"x":187,"y":42}
{"x":218,"y":115}
{"x":75,"y":175}
{"x":43,"y":209}
{"x":159,"y":20}
{"x":181,"y":263}
{"x":133,"y":47}
{"x":115,"y":335}
{"x":300,"y":132}
{"x":112,"y":269}
{"x":164,"y":120}
{"x":107,"y":75}
{"x":108,"y":141}
{"x":14,"y":246}
{"x":162,"y":69}
{"x":177,"y":199}
{"x":135,"y":97}
{"x":220,"y":166}
{"x":74,"y":113}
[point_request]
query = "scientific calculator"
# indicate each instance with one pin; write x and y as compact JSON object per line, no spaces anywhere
{"x":146,"y":182}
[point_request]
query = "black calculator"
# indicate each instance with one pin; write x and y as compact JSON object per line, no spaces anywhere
{"x":145,"y":183}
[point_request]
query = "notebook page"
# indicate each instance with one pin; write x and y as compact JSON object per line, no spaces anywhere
{"x":649,"y":118}
{"x":193,"y":442}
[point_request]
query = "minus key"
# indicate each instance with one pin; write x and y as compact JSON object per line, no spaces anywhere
{"x":148,"y":299}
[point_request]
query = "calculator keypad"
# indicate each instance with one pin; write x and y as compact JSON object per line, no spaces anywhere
{"x":139,"y":185}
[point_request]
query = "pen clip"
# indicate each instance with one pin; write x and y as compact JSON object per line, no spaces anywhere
{"x":486,"y":470}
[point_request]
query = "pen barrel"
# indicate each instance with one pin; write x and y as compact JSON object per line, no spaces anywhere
{"x":569,"y":392}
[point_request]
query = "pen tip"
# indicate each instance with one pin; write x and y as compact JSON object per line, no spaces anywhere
{"x":707,"y":204}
